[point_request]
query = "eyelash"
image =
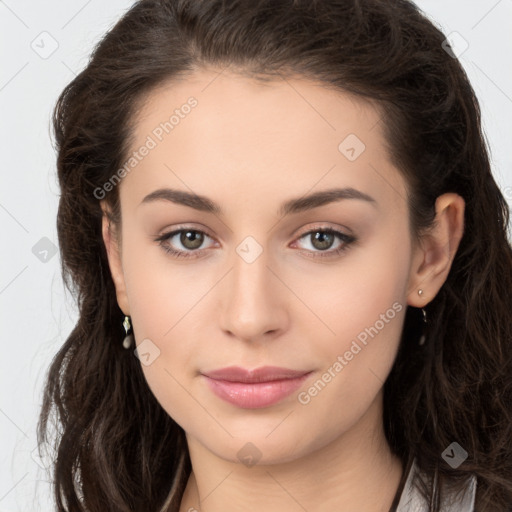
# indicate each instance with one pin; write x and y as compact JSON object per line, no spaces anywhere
{"x":347,"y":239}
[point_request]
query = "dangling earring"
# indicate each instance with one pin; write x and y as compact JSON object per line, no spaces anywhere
{"x":423,"y":336}
{"x":128,"y":339}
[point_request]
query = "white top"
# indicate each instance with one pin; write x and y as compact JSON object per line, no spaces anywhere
{"x":411,"y":499}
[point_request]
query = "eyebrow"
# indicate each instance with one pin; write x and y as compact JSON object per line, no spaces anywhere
{"x":291,"y":206}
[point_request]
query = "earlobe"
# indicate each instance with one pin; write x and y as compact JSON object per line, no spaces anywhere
{"x":114,"y":261}
{"x":433,"y":258}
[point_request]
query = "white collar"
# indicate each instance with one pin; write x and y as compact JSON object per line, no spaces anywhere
{"x":411,"y":499}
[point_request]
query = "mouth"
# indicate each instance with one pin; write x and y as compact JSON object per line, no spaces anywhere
{"x":254,"y":389}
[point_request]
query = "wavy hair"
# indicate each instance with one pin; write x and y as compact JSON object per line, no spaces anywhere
{"x":117,"y":449}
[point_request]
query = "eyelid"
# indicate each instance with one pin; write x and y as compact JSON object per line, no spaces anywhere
{"x":325,"y":227}
{"x":184,"y":227}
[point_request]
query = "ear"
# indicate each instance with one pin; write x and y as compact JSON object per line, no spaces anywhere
{"x":433,"y":257}
{"x":114,"y":259}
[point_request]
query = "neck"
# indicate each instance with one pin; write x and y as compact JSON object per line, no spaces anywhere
{"x":354,"y":471}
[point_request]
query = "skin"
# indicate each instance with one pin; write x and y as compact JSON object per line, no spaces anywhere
{"x":249,"y":147}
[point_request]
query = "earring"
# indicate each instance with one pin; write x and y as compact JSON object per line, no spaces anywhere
{"x":128,"y":339}
{"x":420,"y":292}
{"x":423,"y":336}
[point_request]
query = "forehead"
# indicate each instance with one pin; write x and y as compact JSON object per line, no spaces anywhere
{"x":229,"y":97}
{"x":214,"y":128}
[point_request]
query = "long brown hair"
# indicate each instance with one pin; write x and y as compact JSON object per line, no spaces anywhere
{"x":116,"y":448}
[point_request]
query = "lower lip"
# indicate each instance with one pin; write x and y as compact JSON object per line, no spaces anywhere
{"x":254,"y":395}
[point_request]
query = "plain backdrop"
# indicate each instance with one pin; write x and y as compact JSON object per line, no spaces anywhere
{"x":43,"y":46}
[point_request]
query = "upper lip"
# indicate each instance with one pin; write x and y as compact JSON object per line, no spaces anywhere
{"x":262,"y":374}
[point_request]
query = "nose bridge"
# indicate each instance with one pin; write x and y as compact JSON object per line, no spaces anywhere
{"x":252,"y":306}
{"x":251,"y":277}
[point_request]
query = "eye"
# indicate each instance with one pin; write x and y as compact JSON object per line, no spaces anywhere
{"x":191,"y":239}
{"x":323,"y":238}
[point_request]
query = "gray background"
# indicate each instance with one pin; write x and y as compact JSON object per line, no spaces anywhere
{"x":44,"y":44}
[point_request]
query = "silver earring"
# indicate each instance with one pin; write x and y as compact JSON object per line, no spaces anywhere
{"x":128,"y":339}
{"x":420,"y":292}
{"x":423,"y":336}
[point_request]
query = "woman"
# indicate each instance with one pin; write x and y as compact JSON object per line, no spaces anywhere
{"x":291,"y":264}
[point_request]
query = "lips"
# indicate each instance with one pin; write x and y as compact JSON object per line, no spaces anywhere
{"x":251,"y":389}
{"x":262,"y":374}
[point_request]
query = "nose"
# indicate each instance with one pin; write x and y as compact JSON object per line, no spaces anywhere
{"x":254,"y":306}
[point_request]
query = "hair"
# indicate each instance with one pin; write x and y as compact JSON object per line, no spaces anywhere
{"x":117,"y":448}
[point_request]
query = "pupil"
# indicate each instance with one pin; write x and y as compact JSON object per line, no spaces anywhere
{"x":193,"y":237}
{"x":322,"y":237}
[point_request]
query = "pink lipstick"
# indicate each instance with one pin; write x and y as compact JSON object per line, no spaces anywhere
{"x":254,"y":389}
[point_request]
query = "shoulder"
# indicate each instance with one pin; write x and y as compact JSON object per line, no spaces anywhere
{"x":412,"y":500}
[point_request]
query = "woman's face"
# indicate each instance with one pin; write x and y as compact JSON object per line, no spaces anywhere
{"x":259,"y":287}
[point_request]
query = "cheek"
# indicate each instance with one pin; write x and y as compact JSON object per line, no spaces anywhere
{"x":165,"y":305}
{"x":359,"y":308}
{"x":158,"y":290}
{"x":357,"y":292}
